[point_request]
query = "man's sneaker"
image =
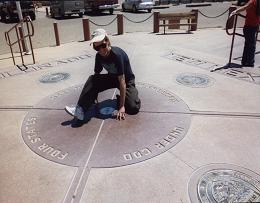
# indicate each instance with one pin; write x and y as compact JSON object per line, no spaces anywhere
{"x":76,"y":111}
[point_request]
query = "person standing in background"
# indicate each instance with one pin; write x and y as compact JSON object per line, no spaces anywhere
{"x":250,"y":30}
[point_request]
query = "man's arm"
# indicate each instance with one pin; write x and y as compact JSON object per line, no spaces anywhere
{"x":242,"y":8}
{"x":98,"y":67}
{"x":122,"y":88}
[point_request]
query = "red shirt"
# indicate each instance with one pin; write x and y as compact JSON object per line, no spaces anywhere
{"x":252,"y":19}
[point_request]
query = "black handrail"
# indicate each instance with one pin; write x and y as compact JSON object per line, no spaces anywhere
{"x":234,"y":26}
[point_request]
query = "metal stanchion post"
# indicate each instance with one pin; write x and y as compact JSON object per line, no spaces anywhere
{"x":22,"y":38}
{"x":86,"y":30}
{"x":47,"y":11}
{"x":120,"y":26}
{"x":233,"y":39}
{"x":19,"y":10}
{"x":56,"y":32}
{"x":156,"y":22}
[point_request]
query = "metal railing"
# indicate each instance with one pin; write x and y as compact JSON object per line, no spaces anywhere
{"x":21,"y":37}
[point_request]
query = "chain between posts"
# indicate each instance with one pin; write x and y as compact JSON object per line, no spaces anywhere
{"x":103,"y":24}
{"x":138,"y":21}
{"x":124,"y":17}
{"x":214,"y":16}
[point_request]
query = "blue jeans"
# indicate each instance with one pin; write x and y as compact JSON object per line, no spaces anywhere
{"x":250,"y":34}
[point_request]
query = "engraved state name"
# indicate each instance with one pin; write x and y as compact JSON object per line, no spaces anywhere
{"x":33,"y":137}
{"x":164,"y":92}
{"x":64,"y":92}
{"x":247,"y":178}
{"x":232,"y":72}
{"x":167,"y":141}
{"x":36,"y":67}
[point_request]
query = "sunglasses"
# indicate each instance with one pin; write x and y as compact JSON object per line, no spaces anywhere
{"x":103,"y":46}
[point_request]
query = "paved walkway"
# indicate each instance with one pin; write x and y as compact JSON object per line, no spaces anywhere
{"x":198,"y":141}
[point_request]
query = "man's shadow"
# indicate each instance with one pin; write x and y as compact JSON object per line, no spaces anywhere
{"x":103,"y":110}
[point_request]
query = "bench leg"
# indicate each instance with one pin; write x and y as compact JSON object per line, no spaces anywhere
{"x":164,"y":27}
{"x":189,"y":26}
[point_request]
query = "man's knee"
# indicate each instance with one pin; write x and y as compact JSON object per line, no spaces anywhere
{"x":93,"y":79}
{"x":89,"y":80}
{"x":133,"y":107}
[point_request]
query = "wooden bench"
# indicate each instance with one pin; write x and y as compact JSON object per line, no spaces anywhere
{"x":175,"y":20}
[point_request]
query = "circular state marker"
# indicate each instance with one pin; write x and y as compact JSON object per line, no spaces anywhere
{"x":54,"y":77}
{"x":194,"y":80}
{"x":224,"y":183}
{"x":162,"y":122}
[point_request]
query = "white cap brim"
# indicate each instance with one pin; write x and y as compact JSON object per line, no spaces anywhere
{"x":98,"y":38}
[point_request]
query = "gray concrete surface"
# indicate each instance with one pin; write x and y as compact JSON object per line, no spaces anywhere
{"x":224,"y":119}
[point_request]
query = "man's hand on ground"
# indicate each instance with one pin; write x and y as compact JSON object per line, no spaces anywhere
{"x":121,"y":114}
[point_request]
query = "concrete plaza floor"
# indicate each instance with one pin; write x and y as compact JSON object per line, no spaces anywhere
{"x":222,"y":133}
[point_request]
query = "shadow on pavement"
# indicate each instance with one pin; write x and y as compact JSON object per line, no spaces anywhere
{"x":100,"y":111}
{"x":227,"y":66}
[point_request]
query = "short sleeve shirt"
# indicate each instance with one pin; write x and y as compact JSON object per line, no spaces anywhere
{"x":251,"y":17}
{"x":117,"y":63}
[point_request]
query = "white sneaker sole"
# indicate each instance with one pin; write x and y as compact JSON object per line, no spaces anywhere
{"x":70,"y":113}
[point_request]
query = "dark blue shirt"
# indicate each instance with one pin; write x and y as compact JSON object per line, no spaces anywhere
{"x":116,"y":63}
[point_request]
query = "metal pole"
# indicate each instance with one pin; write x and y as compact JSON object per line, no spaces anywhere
{"x":20,"y":15}
{"x":47,"y":11}
{"x":22,"y":38}
{"x":56,"y":32}
{"x":156,"y":22}
{"x":120,"y":25}
{"x":30,"y":40}
{"x":9,"y":42}
{"x":19,"y":44}
{"x":86,"y":30}
{"x":232,"y":43}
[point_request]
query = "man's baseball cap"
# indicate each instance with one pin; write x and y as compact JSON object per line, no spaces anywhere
{"x":98,"y":35}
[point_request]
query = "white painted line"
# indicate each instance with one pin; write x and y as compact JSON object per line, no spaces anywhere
{"x":86,"y":164}
{"x":70,"y":185}
{"x":86,"y":184}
